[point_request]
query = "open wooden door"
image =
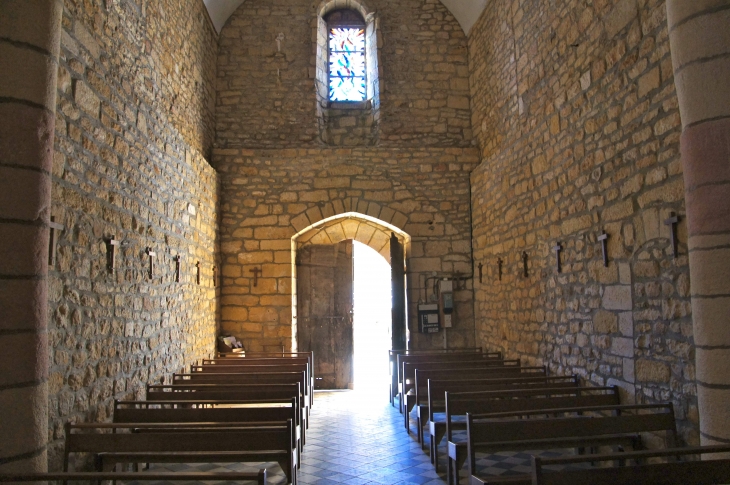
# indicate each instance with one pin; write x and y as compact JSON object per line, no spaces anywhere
{"x":398,"y":288}
{"x":324,"y":308}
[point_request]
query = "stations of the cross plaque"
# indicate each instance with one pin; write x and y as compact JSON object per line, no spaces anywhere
{"x":53,"y":239}
{"x":256,"y":273}
{"x":177,"y":260}
{"x":151,"y":254}
{"x":672,"y":222}
{"x":603,"y":238}
{"x":525,"y":258}
{"x":558,"y":249}
{"x":111,"y":253}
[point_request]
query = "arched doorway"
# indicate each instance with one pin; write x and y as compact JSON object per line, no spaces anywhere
{"x":323,"y":297}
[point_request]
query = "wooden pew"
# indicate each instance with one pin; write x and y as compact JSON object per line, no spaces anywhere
{"x":260,"y":369}
{"x":438,"y":372}
{"x":704,"y":472}
{"x":259,"y":354}
{"x":393,"y":364}
{"x":246,"y":376}
{"x":408,"y":373}
{"x":437,"y":389}
{"x":259,"y":477}
{"x":230,"y":392}
{"x":233,"y":412}
{"x":491,"y":402}
{"x":183,"y":443}
{"x":492,"y":433}
{"x":293,"y":364}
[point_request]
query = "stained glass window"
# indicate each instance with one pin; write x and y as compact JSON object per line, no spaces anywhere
{"x":347,"y":64}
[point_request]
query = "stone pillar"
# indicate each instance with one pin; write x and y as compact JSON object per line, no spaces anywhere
{"x":700,"y":44}
{"x":29,"y":45}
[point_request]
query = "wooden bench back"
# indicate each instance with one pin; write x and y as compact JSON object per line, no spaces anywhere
{"x":490,"y":402}
{"x":422,"y":375}
{"x":260,"y":477}
{"x":497,"y":428}
{"x":437,"y":389}
{"x":394,"y":368}
{"x":705,"y":472}
{"x":224,"y":392}
{"x":408,"y":371}
{"x":140,"y":412}
{"x":242,"y":377}
{"x":443,"y":357}
{"x":281,"y":355}
{"x":187,"y":437}
{"x":255,"y":366}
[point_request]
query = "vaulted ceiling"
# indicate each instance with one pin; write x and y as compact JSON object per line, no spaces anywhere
{"x":466,"y":11}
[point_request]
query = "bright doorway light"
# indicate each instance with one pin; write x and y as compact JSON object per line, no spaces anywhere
{"x":372,"y":320}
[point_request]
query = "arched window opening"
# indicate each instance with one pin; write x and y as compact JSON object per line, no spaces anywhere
{"x":346,"y":75}
{"x":347,"y":56}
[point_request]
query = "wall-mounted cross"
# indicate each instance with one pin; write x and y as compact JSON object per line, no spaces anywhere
{"x":672,"y":222}
{"x":603,"y":238}
{"x":524,"y":263}
{"x":111,"y":253}
{"x":500,"y":263}
{"x":177,"y":260}
{"x":54,"y":227}
{"x":480,"y":272}
{"x":558,"y":248}
{"x":152,"y":256}
{"x":197,"y":276}
{"x":256,"y":273}
{"x":215,"y":276}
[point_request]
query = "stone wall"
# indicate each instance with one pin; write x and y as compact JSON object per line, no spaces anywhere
{"x":575,"y":110}
{"x":268,"y":196}
{"x":133,"y":127}
{"x":268,"y":99}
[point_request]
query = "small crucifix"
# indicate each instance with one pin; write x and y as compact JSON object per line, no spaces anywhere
{"x":54,"y":226}
{"x":604,"y":246}
{"x":152,"y":255}
{"x":111,"y":253}
{"x":480,"y":272}
{"x":279,"y":38}
{"x":500,"y":263}
{"x":524,"y":263}
{"x":558,"y":248}
{"x":672,"y":222}
{"x":215,"y":276}
{"x":197,"y":276}
{"x":256,"y":273}
{"x":177,"y":260}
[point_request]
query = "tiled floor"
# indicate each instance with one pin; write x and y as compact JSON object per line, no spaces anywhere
{"x":357,"y":440}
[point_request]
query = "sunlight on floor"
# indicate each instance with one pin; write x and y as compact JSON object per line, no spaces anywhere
{"x":372,"y":320}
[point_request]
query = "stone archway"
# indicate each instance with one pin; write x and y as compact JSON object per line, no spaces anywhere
{"x":322,"y":289}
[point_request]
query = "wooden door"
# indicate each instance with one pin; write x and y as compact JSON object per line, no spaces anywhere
{"x":324,"y":309}
{"x":398,"y":288}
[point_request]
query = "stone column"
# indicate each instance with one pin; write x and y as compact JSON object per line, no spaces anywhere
{"x":700,"y":44}
{"x":29,"y":45}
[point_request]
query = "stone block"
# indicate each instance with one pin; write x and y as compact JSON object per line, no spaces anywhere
{"x":28,"y":75}
{"x":622,"y":346}
{"x":605,"y":322}
{"x":623,"y":12}
{"x":617,"y":297}
{"x":86,"y":99}
{"x":652,"y":371}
